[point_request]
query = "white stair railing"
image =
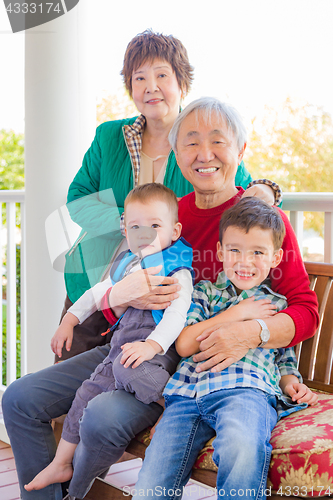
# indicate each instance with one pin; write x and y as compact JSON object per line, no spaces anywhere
{"x":12,"y":237}
{"x":297,"y":203}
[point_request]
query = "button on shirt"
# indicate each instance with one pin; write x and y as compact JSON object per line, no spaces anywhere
{"x":260,"y":369}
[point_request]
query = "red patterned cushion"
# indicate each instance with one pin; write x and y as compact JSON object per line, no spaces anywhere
{"x":302,"y":456}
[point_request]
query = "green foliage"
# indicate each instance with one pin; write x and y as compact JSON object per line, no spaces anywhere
{"x":11,"y":160}
{"x":294,"y":147}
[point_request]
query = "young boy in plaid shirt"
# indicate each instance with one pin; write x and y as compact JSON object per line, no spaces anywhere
{"x":242,"y":403}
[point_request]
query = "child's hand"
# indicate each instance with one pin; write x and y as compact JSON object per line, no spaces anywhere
{"x":300,"y":393}
{"x":137,"y":352}
{"x":64,"y":334}
{"x":252,"y":309}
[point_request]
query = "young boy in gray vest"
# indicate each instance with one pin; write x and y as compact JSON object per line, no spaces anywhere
{"x":142,"y":355}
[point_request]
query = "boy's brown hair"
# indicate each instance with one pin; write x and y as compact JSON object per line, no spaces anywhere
{"x":154,"y":191}
{"x":148,"y":46}
{"x":252,"y":212}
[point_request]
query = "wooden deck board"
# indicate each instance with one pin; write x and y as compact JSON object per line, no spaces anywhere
{"x":121,"y":474}
{"x":11,"y":492}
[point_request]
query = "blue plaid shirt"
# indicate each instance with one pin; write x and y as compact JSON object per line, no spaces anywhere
{"x":260,"y":369}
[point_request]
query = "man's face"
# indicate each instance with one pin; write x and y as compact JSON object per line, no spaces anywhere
{"x":207,"y":154}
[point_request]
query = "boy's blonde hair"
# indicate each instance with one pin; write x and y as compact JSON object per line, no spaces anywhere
{"x":154,"y":191}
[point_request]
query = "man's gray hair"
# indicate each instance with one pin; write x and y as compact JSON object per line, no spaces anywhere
{"x":207,"y":106}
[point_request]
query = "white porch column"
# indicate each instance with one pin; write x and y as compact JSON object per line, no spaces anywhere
{"x":60,"y":118}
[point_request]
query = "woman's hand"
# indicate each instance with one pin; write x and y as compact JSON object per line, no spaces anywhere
{"x":261,"y":191}
{"x":142,"y":290}
{"x":222,"y":345}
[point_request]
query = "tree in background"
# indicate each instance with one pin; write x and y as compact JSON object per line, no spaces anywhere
{"x":11,"y":160}
{"x":294,"y":147}
{"x":115,"y":107}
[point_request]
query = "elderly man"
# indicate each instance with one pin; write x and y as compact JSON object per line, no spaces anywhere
{"x":209,"y":140}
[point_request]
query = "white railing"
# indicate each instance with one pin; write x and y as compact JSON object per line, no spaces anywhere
{"x":11,"y":235}
{"x":298,"y":203}
{"x":12,"y":246}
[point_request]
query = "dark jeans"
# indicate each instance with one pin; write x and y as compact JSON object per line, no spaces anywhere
{"x":109,"y":422}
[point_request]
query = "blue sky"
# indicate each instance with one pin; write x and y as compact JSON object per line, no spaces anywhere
{"x":251,"y":52}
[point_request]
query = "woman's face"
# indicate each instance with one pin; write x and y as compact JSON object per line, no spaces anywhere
{"x":155,"y":91}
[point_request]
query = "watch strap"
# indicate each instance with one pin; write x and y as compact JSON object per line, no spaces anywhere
{"x":263,"y":327}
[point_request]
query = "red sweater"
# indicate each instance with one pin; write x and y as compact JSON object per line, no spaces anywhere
{"x":201,"y":230}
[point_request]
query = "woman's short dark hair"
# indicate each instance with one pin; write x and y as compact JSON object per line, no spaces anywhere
{"x":253,"y":212}
{"x":148,"y":46}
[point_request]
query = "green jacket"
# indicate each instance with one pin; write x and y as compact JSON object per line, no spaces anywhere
{"x":97,"y":194}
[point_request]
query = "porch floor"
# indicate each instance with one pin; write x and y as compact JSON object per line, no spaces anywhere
{"x":121,"y":474}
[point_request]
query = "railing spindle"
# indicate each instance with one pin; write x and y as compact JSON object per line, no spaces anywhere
{"x":328,"y":240}
{"x":297,"y":221}
{"x":23,"y":294}
{"x":11,"y":292}
{"x":1,"y":292}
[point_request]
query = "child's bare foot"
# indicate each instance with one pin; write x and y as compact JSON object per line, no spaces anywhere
{"x":53,"y":473}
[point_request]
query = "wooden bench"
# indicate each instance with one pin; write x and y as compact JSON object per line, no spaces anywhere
{"x":315,"y":365}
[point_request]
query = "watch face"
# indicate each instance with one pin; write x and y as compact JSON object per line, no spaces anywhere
{"x":265,"y":335}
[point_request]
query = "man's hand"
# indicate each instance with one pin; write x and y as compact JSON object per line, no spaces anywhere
{"x":262,"y":191}
{"x":301,"y":393}
{"x":64,"y":334}
{"x":252,"y":309}
{"x":137,"y":352}
{"x":222,"y":345}
{"x":142,"y":290}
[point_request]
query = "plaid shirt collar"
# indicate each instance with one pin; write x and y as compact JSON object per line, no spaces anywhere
{"x":136,"y":127}
{"x":133,"y":137}
{"x":223,"y":283}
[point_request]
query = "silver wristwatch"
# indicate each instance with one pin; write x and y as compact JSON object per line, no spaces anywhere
{"x":264,"y":334}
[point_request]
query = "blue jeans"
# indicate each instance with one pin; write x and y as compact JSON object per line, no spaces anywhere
{"x":242,"y":419}
{"x":109,"y":422}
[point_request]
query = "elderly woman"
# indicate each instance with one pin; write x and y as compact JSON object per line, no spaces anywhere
{"x":208,"y":151}
{"x":124,"y":154}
